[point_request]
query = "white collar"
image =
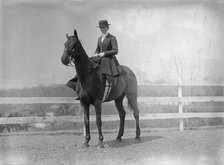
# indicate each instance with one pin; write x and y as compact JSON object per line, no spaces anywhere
{"x":104,"y":35}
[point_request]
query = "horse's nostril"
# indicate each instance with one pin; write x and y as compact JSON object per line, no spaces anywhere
{"x":64,"y":59}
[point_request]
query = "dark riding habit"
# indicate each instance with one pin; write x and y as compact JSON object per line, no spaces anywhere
{"x":109,"y":62}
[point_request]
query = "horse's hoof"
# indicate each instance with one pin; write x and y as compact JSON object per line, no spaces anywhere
{"x":118,"y":140}
{"x":85,"y":145}
{"x":138,"y":139}
{"x":100,"y":146}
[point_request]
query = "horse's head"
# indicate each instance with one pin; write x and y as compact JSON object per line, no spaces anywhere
{"x":71,"y":49}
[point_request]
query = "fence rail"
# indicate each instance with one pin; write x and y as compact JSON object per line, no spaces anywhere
{"x":153,"y":116}
{"x":179,"y":100}
{"x":71,"y":100}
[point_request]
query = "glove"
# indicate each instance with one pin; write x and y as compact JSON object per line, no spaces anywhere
{"x":101,"y":54}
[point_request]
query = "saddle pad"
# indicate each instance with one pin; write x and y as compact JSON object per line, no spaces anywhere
{"x":110,"y":84}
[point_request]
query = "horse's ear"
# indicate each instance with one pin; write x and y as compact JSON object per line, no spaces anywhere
{"x":67,"y":35}
{"x":75,"y":34}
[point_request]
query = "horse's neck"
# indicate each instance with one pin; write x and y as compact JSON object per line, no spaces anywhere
{"x":89,"y":77}
{"x":83,"y":66}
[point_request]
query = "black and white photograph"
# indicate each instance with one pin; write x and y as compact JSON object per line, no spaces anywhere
{"x":102,"y":82}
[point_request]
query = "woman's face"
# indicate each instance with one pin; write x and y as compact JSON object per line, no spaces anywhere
{"x":104,"y":29}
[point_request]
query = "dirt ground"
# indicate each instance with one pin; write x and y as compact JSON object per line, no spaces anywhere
{"x":190,"y":147}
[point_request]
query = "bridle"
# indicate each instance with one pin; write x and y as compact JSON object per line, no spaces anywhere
{"x":71,"y":54}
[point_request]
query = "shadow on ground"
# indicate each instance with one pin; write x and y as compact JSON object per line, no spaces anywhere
{"x":47,"y":133}
{"x":130,"y":141}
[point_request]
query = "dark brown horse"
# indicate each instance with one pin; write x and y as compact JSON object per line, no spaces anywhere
{"x":91,"y":85}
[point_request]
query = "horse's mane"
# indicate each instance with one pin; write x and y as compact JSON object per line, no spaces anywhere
{"x":80,"y":43}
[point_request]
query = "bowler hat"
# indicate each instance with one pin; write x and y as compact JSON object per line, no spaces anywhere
{"x":103,"y":23}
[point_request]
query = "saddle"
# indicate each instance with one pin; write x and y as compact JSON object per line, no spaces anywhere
{"x":108,"y":65}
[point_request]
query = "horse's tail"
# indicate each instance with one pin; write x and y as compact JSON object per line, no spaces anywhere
{"x":131,"y":106}
{"x":132,"y":101}
{"x":132,"y":92}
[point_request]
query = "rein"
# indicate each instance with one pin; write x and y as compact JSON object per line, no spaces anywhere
{"x":85,"y":72}
{"x":71,"y":59}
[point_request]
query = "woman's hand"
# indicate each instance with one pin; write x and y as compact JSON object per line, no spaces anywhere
{"x":101,"y":54}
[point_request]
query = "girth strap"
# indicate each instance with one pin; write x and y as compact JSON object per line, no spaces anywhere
{"x":107,"y":90}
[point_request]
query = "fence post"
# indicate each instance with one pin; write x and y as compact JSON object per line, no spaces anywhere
{"x":180,"y":104}
{"x":1,"y":37}
{"x":50,"y":115}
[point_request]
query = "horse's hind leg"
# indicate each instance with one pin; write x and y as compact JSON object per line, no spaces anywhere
{"x":132,"y":101}
{"x":136,"y":115}
{"x":122,"y":113}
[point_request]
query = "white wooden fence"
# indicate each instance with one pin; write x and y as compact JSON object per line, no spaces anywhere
{"x":180,"y":100}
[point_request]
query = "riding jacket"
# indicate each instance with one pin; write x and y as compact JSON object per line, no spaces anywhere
{"x":109,"y":63}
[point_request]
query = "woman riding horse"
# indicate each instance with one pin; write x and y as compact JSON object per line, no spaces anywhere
{"x":90,"y":88}
{"x":106,"y":49}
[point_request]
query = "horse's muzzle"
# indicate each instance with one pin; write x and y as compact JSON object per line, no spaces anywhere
{"x":64,"y":59}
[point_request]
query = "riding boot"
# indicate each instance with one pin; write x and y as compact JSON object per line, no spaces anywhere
{"x":72,"y":84}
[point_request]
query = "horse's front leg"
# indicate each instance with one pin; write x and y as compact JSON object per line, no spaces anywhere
{"x":97,"y":105}
{"x":87,"y":123}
